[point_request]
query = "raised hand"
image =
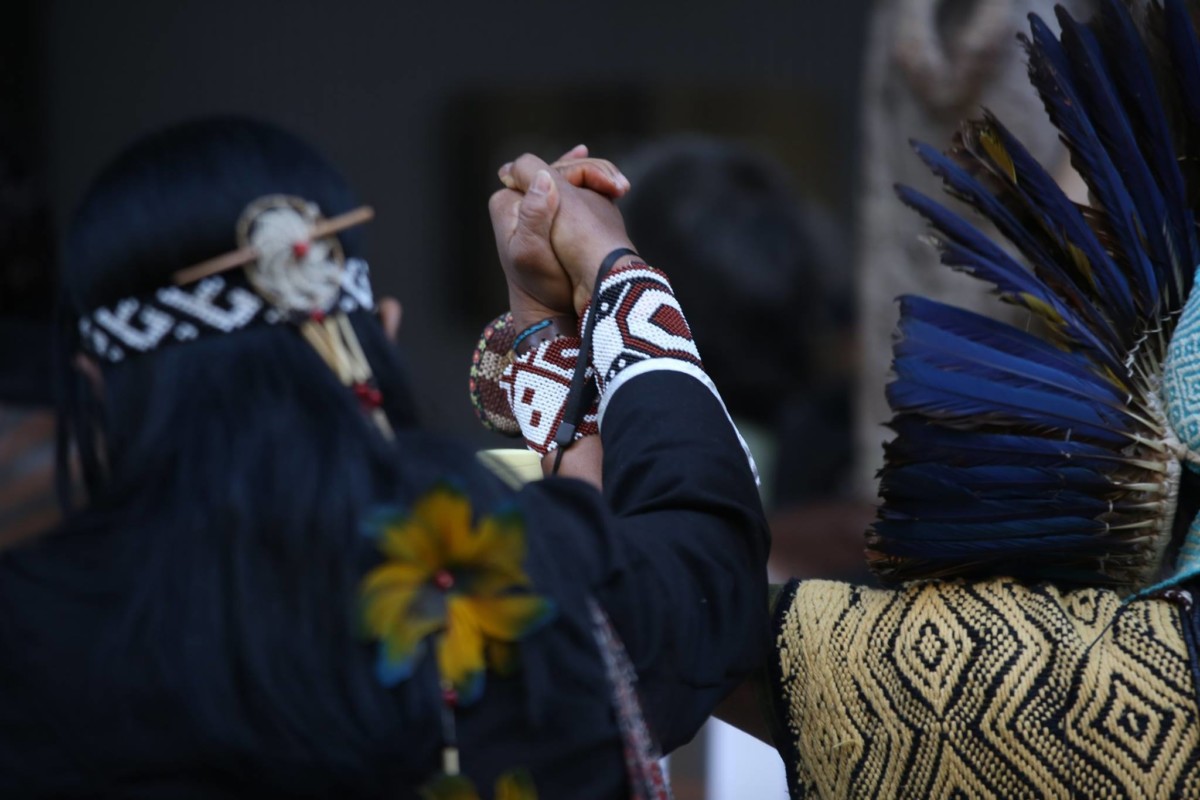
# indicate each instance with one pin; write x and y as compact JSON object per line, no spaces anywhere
{"x":522,"y":220}
{"x":578,"y":169}
{"x":537,"y":285}
{"x":581,"y":225}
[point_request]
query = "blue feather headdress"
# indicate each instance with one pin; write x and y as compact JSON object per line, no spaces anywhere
{"x":1059,"y":455}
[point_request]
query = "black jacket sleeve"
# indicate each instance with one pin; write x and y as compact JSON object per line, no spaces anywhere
{"x":676,"y":553}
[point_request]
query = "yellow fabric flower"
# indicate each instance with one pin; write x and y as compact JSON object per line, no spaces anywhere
{"x":444,"y":577}
{"x":449,"y":787}
{"x":514,"y":785}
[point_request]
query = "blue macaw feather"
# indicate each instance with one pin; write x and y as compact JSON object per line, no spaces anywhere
{"x":1036,"y":540}
{"x":921,"y":439}
{"x":1046,"y":400}
{"x":938,"y":393}
{"x":1036,"y":535}
{"x":1185,"y":54}
{"x":1013,"y":444}
{"x":1180,"y":78}
{"x":1050,"y":70}
{"x":976,"y":511}
{"x":964,"y":324}
{"x":961,"y":506}
{"x":978,"y":480}
{"x":968,"y":249}
{"x":1147,"y":212}
{"x":920,"y":339}
{"x":967,"y":188}
{"x":1029,"y":241}
{"x":1079,"y":256}
{"x":1122,"y":288}
{"x":1107,"y":559}
{"x":1135,"y":78}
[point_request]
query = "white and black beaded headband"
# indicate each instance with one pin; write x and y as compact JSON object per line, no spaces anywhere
{"x":294,"y":270}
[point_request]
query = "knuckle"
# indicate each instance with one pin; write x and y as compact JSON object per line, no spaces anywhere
{"x":498,"y":201}
{"x":524,"y":253}
{"x":527,"y":163}
{"x":533,"y":207}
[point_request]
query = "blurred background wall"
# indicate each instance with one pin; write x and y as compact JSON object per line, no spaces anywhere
{"x":419,"y":103}
{"x":927,"y":65}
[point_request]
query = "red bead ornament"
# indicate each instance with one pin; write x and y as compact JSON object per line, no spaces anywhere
{"x":300,"y":249}
{"x":450,"y":697}
{"x":368,"y":395}
{"x":317,"y":316}
{"x":443,"y":580}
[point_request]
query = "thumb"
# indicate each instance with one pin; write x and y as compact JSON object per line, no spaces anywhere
{"x":535,"y":216}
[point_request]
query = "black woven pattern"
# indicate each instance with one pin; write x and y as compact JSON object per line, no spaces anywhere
{"x":991,"y":689}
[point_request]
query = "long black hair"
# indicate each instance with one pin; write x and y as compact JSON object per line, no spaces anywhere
{"x":167,"y":202}
{"x":228,"y":476}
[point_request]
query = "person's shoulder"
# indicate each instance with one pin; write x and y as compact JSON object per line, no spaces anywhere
{"x":829,"y":606}
{"x":860,"y":673}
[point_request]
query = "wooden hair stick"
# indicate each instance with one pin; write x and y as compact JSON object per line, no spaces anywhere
{"x":244,"y":255}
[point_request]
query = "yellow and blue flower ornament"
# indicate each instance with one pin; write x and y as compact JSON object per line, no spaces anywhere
{"x":461,"y":585}
{"x":514,"y":785}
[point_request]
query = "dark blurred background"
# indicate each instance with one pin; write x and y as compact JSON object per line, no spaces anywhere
{"x":419,"y":103}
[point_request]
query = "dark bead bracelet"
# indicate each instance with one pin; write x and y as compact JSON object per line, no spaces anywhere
{"x":549,"y":328}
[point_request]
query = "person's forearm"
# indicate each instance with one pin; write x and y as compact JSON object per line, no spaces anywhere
{"x":749,"y":707}
{"x":689,"y":601}
{"x":744,"y":708}
{"x":583,"y":460}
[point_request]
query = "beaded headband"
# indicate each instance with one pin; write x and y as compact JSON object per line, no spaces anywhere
{"x":294,"y":268}
{"x":293,"y":272}
{"x":213,"y":305}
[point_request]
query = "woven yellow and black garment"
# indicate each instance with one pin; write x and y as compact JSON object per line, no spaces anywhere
{"x":990,"y":689}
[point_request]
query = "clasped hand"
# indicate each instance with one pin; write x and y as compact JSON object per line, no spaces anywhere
{"x":554,"y":224}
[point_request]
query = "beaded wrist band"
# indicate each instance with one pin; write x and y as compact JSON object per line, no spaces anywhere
{"x":639,"y":328}
{"x":537,"y":384}
{"x":498,"y":345}
{"x":493,"y":353}
{"x":638,"y":320}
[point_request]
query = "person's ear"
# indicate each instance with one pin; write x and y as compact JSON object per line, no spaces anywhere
{"x":89,"y":369}
{"x":390,"y":315}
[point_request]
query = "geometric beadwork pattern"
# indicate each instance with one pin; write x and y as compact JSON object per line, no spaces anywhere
{"x":638,"y":319}
{"x":491,"y":357}
{"x":640,"y":328}
{"x":536,"y":384}
{"x":991,"y":689}
{"x":214,"y":305}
